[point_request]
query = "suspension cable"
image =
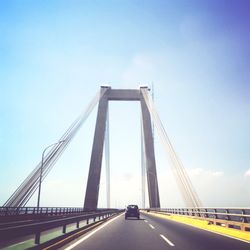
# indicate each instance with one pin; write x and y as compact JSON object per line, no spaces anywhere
{"x":188,"y":193}
{"x":28,"y":187}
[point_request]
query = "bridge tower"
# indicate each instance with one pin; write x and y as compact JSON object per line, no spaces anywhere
{"x":92,"y":190}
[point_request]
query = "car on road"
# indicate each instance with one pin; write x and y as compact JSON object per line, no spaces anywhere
{"x":132,"y":211}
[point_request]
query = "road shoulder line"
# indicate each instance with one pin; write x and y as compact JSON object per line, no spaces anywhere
{"x":201,"y":224}
{"x":91,"y":233}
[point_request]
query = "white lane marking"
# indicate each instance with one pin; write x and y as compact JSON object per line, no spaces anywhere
{"x":146,"y":221}
{"x":167,"y":240}
{"x":151,"y":226}
{"x":91,"y":233}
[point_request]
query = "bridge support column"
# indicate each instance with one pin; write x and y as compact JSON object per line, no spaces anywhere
{"x":153,"y":192}
{"x":92,"y":191}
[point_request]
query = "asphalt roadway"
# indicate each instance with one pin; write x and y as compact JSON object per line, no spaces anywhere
{"x":153,"y":233}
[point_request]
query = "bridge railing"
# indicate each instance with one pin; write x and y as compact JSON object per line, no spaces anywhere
{"x":15,"y":231}
{"x":50,"y":211}
{"x":238,"y":218}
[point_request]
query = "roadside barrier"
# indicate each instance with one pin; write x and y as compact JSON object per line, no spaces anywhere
{"x":238,"y":218}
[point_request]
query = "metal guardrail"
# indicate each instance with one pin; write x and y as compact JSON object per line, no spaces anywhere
{"x":238,"y":218}
{"x":14,"y":211}
{"x":36,"y":228}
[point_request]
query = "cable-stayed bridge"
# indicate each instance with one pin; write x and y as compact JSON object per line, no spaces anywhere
{"x":44,"y":219}
{"x":149,"y":114}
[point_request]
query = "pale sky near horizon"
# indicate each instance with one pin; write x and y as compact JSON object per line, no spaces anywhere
{"x":55,"y":55}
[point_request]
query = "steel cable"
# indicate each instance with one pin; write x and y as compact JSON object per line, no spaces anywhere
{"x":28,"y":187}
{"x":189,"y":195}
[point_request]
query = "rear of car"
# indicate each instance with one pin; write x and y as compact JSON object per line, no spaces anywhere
{"x":132,"y":211}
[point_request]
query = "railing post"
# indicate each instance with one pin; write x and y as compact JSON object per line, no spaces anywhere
{"x":199,"y":214}
{"x":205,"y":214}
{"x":37,"y":238}
{"x":227,"y":216}
{"x":243,"y":218}
{"x":64,"y":229}
{"x":215,"y":214}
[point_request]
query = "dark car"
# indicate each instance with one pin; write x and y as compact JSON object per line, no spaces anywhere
{"x":132,"y":211}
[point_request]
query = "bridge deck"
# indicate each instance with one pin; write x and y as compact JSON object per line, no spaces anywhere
{"x":153,"y":233}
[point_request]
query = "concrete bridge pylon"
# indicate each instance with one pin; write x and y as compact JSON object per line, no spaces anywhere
{"x":93,"y":183}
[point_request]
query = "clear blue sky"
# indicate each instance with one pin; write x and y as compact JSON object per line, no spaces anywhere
{"x":54,"y":55}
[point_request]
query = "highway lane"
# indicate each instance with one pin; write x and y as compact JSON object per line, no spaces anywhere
{"x":153,"y":233}
{"x":190,"y":238}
